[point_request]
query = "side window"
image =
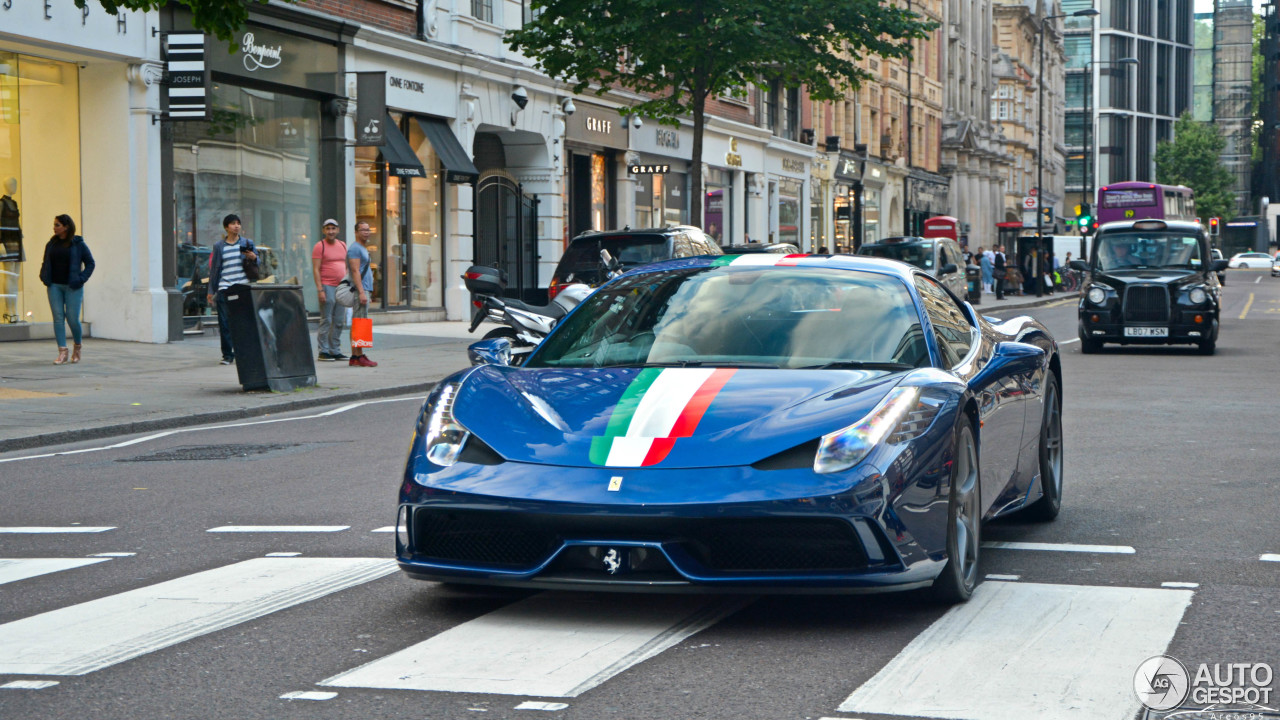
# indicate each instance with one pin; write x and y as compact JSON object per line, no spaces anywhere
{"x":951,"y":328}
{"x":944,"y":256}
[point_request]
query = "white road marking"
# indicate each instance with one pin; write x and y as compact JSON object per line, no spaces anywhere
{"x":1006,"y":578}
{"x":548,"y":645}
{"x":1269,"y":557}
{"x":12,"y":570}
{"x":533,"y":705}
{"x":308,"y":695}
{"x":1068,"y":342}
{"x":1060,"y":547}
{"x":28,"y":684}
{"x":113,"y":554}
{"x":100,"y":633}
{"x":1255,"y":282}
{"x":1028,"y":650}
{"x":387,"y":529}
{"x":278,"y":528}
{"x":283,"y":554}
{"x":202,"y":428}
{"x":1187,"y":585}
{"x":54,"y":530}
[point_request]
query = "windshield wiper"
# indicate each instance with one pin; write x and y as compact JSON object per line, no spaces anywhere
{"x":712,"y":363}
{"x":859,"y":365}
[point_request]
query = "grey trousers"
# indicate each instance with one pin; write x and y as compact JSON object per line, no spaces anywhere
{"x":333,"y":317}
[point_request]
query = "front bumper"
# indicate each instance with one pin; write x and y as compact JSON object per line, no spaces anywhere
{"x":1182,"y":328}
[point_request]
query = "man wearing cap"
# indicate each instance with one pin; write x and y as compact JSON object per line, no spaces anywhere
{"x":329,"y":265}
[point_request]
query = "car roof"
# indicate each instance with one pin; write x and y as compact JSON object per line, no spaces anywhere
{"x":598,"y":234}
{"x":865,"y":263}
{"x":902,"y":240}
{"x":1175,"y":225}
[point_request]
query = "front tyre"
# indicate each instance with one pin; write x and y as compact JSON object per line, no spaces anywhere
{"x":1050,"y":452}
{"x":964,"y":521}
{"x":1088,"y":345}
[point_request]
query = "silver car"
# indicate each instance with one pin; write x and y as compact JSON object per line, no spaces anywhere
{"x":940,"y":257}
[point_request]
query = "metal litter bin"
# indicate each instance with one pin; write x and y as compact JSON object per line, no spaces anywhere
{"x":269,"y":333}
{"x":973,"y":276}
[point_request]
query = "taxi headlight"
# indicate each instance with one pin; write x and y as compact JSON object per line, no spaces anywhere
{"x":1096,"y":295}
{"x":1197,"y":296}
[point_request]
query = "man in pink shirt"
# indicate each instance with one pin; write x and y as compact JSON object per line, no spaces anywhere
{"x":329,"y":265}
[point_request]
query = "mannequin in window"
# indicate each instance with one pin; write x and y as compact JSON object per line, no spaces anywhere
{"x":10,"y":228}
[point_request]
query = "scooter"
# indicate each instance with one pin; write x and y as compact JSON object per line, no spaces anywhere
{"x":524,"y":325}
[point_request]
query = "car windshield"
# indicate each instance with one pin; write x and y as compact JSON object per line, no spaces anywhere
{"x":919,"y":254}
{"x":1162,"y":249}
{"x":581,"y":262}
{"x":742,"y":317}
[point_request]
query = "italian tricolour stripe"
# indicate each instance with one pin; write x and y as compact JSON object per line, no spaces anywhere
{"x":659,"y":406}
{"x":757,"y":259}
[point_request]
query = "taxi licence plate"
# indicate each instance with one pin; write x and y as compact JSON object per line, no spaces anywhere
{"x":1146,"y":332}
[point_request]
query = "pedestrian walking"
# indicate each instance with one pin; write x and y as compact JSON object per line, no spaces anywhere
{"x":998,"y":271}
{"x":329,"y":265}
{"x":65,"y":269}
{"x":226,"y":268}
{"x":984,"y":262}
{"x":362,"y":276}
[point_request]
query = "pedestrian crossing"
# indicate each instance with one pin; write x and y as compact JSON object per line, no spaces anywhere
{"x":1016,"y":650}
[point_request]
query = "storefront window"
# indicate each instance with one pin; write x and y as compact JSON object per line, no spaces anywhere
{"x":426,"y":257}
{"x":817,"y":231}
{"x":39,"y":113}
{"x":644,"y":200}
{"x":258,"y":157}
{"x":871,"y":216}
{"x":369,"y":209}
{"x":673,"y":207}
{"x":717,"y":209}
{"x":789,"y":211}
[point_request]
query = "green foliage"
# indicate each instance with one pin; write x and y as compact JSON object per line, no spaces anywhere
{"x":1193,"y":159}
{"x":221,"y":18}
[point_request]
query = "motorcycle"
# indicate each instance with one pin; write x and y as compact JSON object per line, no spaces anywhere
{"x":525,"y":325}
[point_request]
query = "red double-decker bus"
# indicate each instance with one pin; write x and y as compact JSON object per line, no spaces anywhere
{"x":1145,"y":201}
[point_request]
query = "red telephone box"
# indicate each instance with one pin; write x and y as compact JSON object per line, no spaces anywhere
{"x":942,"y":226}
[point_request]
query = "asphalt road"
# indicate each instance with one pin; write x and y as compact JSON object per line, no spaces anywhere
{"x":1168,"y":477}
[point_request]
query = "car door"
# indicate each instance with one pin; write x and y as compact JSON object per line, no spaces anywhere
{"x":999,"y":391}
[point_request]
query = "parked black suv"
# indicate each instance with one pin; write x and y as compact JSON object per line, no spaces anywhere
{"x":1150,"y":282}
{"x":581,"y":260}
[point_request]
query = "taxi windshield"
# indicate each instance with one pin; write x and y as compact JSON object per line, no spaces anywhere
{"x":1136,"y":250}
{"x":742,"y":317}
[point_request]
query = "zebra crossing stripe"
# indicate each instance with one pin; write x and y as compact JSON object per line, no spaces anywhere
{"x":100,"y":633}
{"x":551,"y":645}
{"x":1028,"y":650}
{"x":14,"y":569}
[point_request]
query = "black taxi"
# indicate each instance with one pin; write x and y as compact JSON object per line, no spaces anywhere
{"x":1150,"y":282}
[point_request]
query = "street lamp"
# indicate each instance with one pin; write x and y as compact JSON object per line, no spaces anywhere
{"x":1039,"y":249}
{"x":1090,"y":137}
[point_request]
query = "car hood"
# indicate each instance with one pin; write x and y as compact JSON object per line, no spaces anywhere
{"x":665,"y":417}
{"x":1120,"y":279}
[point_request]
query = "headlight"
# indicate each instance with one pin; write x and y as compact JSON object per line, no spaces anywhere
{"x":1096,"y":295}
{"x":1197,"y":296}
{"x":845,"y":448}
{"x":441,"y":434}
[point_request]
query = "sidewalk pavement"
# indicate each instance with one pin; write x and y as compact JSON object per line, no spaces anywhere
{"x":123,"y":388}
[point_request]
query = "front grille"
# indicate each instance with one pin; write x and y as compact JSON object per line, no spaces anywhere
{"x":1146,"y":303}
{"x":510,"y":540}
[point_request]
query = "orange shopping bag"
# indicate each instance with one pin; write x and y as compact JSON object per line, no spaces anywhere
{"x":361,"y":333}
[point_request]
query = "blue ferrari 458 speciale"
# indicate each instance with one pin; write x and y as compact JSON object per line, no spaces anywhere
{"x":755,"y":423}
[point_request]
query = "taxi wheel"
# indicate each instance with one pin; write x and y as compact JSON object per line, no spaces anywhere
{"x":1089,"y":346}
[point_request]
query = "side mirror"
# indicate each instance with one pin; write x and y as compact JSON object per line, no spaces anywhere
{"x":494,"y":351}
{"x":1080,"y":265}
{"x":948,"y":269}
{"x":1219,"y":265}
{"x":1017,"y":357}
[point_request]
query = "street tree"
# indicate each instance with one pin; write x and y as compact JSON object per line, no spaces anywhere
{"x":221,"y":18}
{"x":681,"y":53}
{"x":1193,"y":159}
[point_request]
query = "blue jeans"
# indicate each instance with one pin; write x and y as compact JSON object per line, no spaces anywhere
{"x":65,"y":304}
{"x":224,"y":325}
{"x":333,"y":317}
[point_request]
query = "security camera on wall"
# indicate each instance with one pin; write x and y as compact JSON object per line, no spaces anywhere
{"x":568,"y":107}
{"x":520,"y":96}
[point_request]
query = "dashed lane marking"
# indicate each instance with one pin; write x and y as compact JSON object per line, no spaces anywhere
{"x":54,"y":530}
{"x":308,"y":695}
{"x":535,"y":705}
{"x":28,"y":684}
{"x":1269,"y":557}
{"x":1067,"y":652}
{"x":1060,"y":547}
{"x":1247,"y":305}
{"x":279,"y":528}
{"x":93,"y":635}
{"x":14,"y":569}
{"x":1185,"y":585}
{"x":1005,"y":578}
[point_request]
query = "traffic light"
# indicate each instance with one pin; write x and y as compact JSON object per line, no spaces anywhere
{"x":1084,"y":219}
{"x":1213,"y":226}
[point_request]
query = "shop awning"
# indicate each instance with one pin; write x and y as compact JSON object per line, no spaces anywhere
{"x":401,"y":160}
{"x":458,"y":167}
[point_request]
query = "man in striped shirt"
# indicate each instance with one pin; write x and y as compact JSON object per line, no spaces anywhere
{"x":226,"y":268}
